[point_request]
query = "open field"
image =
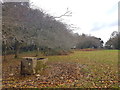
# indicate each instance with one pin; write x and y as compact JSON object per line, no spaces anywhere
{"x":83,"y":69}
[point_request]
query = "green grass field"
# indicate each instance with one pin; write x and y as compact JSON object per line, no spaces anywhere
{"x":101,"y":67}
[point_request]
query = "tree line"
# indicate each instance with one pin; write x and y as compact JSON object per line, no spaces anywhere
{"x":28,"y":29}
{"x":25,"y":28}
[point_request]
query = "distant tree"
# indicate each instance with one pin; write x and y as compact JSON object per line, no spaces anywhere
{"x":86,"y":41}
{"x":114,"y":41}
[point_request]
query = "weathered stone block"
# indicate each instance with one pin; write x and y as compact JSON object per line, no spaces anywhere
{"x":30,"y":65}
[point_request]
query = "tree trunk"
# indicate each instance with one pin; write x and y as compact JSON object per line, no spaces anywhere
{"x":37,"y":51}
{"x":16,"y":53}
{"x":5,"y":52}
{"x":17,"y":47}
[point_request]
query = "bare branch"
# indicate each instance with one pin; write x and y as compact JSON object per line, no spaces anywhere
{"x":67,"y":13}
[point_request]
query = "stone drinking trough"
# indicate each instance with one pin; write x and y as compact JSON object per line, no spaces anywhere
{"x":30,"y":65}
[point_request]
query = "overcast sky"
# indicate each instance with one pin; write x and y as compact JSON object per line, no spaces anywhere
{"x":95,"y":17}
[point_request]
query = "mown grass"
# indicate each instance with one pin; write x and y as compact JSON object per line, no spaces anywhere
{"x":102,"y":66}
{"x":89,"y":57}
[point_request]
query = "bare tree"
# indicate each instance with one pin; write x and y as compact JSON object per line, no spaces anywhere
{"x":68,"y":13}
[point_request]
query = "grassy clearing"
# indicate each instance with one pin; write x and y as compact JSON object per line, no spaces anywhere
{"x":102,"y":67}
{"x":109,"y":57}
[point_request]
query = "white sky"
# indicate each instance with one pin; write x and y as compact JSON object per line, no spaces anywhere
{"x":95,"y":17}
